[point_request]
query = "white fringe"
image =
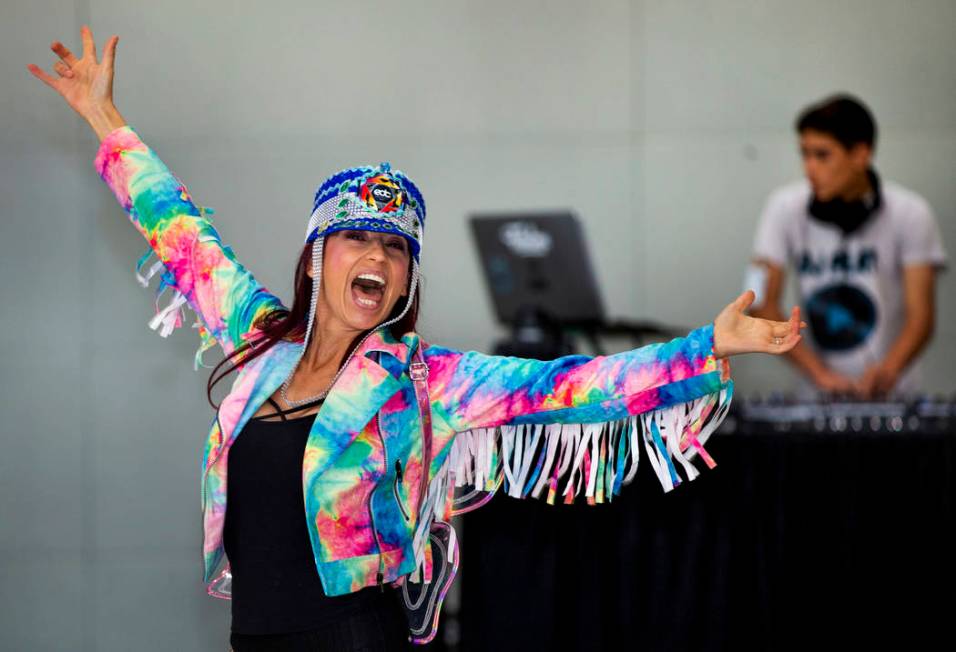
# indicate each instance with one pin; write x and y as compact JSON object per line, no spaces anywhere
{"x":595,"y":458}
{"x":150,"y":273}
{"x":170,"y":317}
{"x":432,"y":506}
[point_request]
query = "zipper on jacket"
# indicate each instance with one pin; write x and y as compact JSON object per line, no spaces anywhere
{"x":380,"y":576}
{"x":398,"y":480}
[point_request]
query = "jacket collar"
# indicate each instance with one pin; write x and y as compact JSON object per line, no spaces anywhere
{"x":362,"y":369}
{"x":384,"y":342}
{"x":362,"y":388}
{"x":360,"y":391}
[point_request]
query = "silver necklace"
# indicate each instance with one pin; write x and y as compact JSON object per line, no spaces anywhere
{"x":283,"y":391}
{"x":297,"y":403}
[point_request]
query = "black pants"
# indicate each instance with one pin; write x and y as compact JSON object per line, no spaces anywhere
{"x":373,"y":630}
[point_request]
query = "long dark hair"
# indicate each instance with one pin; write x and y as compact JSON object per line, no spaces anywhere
{"x":286,"y":324}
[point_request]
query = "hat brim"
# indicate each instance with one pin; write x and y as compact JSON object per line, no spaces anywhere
{"x":367,"y":224}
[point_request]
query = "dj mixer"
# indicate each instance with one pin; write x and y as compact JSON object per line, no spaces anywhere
{"x":781,"y":413}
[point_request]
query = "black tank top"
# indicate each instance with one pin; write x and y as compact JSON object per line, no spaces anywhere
{"x":275,"y":585}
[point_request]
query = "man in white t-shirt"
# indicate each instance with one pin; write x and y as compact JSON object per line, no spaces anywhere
{"x":865,"y":253}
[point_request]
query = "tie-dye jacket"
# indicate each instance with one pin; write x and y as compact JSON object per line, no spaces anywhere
{"x":560,"y":428}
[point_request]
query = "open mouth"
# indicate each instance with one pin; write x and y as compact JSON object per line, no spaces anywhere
{"x":368,"y":289}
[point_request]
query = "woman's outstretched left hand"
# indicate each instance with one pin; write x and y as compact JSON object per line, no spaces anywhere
{"x":736,"y":332}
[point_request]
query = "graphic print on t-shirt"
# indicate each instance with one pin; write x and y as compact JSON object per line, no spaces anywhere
{"x":842,"y":315}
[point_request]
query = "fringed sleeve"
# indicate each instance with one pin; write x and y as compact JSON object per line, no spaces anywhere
{"x":191,"y":260}
{"x":577,"y":425}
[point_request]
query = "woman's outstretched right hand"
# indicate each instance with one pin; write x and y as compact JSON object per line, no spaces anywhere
{"x":85,"y":83}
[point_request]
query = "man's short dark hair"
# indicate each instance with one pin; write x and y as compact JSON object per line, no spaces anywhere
{"x":842,"y":116}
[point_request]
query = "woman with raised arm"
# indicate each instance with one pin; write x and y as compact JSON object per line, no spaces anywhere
{"x":347,"y":416}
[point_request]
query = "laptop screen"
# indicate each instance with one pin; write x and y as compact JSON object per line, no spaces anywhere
{"x":540,"y":261}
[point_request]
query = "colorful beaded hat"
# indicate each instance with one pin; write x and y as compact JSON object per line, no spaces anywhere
{"x":369,"y":199}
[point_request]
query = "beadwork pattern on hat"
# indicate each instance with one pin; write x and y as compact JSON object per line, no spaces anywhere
{"x":369,"y":199}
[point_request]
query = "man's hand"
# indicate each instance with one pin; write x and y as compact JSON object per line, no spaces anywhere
{"x":878,"y":380}
{"x":832,"y":382}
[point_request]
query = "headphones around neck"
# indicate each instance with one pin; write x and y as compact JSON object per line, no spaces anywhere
{"x":849,"y":216}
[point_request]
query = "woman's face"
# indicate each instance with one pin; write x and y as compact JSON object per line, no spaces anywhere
{"x":364,"y":274}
